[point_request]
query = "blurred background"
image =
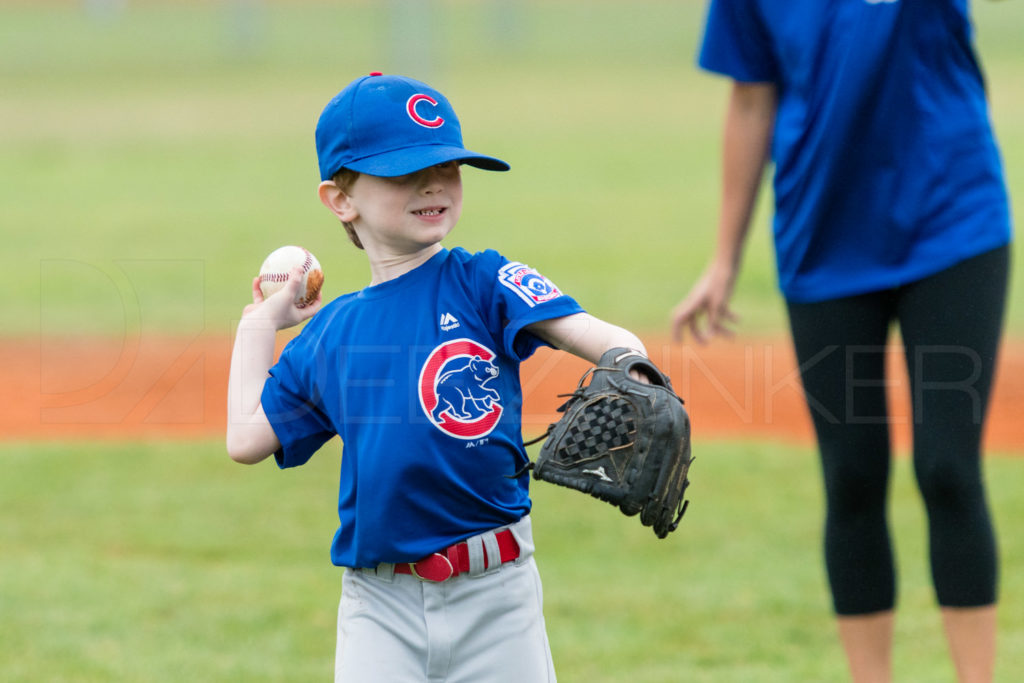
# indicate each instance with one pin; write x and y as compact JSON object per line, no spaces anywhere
{"x":167,"y":147}
{"x":153,"y":153}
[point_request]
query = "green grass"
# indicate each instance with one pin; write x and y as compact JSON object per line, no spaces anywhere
{"x":153,"y":158}
{"x":168,"y":562}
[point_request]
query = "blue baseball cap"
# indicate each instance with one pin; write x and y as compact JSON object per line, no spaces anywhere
{"x":389,"y":126}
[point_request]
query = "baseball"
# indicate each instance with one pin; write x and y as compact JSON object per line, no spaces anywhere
{"x":276,"y":267}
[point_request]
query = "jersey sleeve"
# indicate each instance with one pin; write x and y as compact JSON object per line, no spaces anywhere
{"x":737,"y":42}
{"x":517,"y":296}
{"x":293,"y":406}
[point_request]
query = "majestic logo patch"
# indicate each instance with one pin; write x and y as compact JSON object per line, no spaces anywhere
{"x":531,"y":286}
{"x":448,"y":322}
{"x":410,"y":108}
{"x":454,"y":391}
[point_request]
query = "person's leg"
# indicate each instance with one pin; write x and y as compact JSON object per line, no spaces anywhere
{"x":971,"y":633}
{"x":381,"y":631}
{"x":497,"y":627}
{"x":951,"y":324}
{"x":840,"y":346}
{"x":867,"y":642}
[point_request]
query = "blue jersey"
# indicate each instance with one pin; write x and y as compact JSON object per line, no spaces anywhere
{"x":886,"y":169}
{"x":420,"y":377}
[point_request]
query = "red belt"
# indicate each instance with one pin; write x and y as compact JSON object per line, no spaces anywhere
{"x":454,"y":560}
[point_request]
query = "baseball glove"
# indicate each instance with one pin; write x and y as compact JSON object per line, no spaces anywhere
{"x":622,"y":441}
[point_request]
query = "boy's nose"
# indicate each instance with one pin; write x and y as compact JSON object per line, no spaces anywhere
{"x":432,"y":180}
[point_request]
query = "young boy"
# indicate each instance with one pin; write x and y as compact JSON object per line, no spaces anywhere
{"x":419,"y":375}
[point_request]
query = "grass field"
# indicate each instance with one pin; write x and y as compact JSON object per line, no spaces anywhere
{"x":150,"y":562}
{"x":153,"y":156}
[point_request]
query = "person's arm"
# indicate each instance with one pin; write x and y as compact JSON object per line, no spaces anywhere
{"x":250,"y":436}
{"x":750,"y":120}
{"x":583,"y":335}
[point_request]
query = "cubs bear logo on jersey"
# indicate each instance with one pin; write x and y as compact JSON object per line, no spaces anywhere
{"x":454,"y":389}
{"x":531,"y":286}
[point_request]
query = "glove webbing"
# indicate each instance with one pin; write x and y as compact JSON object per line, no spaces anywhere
{"x":578,"y":393}
{"x":603,"y":426}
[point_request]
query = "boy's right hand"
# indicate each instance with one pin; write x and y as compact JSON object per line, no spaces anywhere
{"x":280,"y":308}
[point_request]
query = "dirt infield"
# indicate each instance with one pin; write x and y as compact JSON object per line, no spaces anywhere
{"x":148,"y":387}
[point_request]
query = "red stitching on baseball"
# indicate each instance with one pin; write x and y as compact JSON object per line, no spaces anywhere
{"x":307,"y":265}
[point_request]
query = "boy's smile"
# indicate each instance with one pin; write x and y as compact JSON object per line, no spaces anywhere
{"x":408,"y":213}
{"x":430,"y":213}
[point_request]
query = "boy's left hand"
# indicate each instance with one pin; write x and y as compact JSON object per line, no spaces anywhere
{"x":639,"y":377}
{"x":624,"y":444}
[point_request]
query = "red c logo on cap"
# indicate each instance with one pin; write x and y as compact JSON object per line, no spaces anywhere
{"x":410,"y":108}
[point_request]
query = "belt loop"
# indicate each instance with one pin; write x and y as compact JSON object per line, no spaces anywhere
{"x":385,"y":571}
{"x":522,"y":531}
{"x":493,"y":551}
{"x":475,"y":546}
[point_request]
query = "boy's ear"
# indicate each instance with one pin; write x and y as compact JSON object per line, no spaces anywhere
{"x":337,"y":201}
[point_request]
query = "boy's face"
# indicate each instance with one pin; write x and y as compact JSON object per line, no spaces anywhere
{"x":407,"y":213}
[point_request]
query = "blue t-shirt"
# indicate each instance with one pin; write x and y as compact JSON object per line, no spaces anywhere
{"x":886,"y":169}
{"x":419,"y":376}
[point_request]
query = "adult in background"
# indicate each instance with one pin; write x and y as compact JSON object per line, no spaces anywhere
{"x":890,"y":206}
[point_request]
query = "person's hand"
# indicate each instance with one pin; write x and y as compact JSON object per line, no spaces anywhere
{"x":639,"y":377}
{"x":705,"y":310}
{"x":280,"y":308}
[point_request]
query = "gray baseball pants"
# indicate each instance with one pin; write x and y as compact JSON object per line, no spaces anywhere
{"x":483,"y":628}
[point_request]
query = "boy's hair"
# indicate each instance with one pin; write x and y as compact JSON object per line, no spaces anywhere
{"x":345,"y":179}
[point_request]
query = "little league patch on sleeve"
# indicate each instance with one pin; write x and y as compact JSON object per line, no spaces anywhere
{"x":531,"y":286}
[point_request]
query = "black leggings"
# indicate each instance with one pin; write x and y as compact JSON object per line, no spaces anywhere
{"x":950,"y":324}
